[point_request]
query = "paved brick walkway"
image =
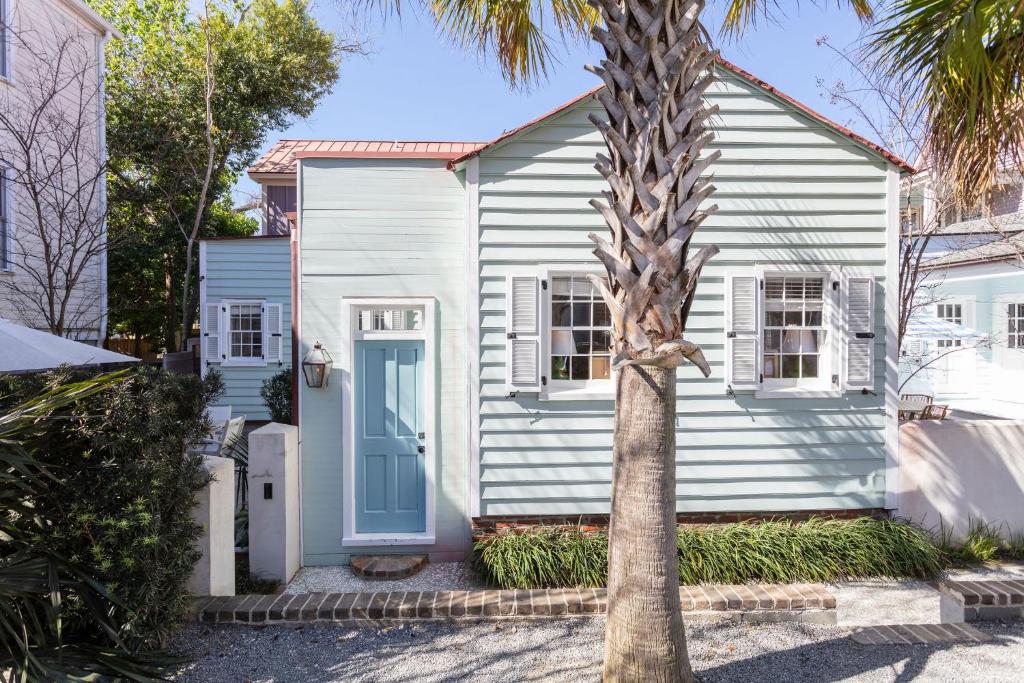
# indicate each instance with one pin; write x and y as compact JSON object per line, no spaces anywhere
{"x":496,"y":604}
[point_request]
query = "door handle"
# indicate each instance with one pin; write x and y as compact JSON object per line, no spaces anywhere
{"x":421,"y":449}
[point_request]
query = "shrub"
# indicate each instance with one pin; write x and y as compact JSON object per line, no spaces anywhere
{"x":123,"y":490}
{"x":277,"y":395}
{"x":770,"y":552}
{"x":982,"y":542}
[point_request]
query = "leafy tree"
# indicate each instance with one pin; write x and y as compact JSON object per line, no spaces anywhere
{"x":657,"y":68}
{"x":191,"y":100}
{"x":276,"y":393}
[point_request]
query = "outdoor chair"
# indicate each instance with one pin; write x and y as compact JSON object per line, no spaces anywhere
{"x":218,"y":417}
{"x":216,"y":445}
{"x":921,"y":407}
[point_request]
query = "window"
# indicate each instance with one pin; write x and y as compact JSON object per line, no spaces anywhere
{"x":5,"y":222}
{"x":245,"y":331}
{"x":5,"y":56}
{"x":951,"y":313}
{"x":390,"y":320}
{"x":1015,"y":326}
{"x":580,"y":348}
{"x":794,"y":329}
{"x":947,"y":343}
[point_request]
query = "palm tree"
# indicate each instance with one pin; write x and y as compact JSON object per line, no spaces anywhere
{"x":969,"y":57}
{"x":657,"y":68}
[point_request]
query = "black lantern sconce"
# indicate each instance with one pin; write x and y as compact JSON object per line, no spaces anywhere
{"x":316,"y":367}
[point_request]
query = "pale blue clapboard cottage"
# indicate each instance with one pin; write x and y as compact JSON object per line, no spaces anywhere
{"x":471,"y":382}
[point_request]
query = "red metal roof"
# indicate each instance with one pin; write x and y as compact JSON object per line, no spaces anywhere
{"x":728,"y":66}
{"x":280,"y":158}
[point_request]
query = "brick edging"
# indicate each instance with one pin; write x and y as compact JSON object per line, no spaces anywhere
{"x":494,"y":604}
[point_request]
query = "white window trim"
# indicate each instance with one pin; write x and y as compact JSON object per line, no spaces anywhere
{"x":967,"y":304}
{"x":566,"y":390}
{"x":227,"y":360}
{"x":832,"y":313}
{"x":350,"y":308}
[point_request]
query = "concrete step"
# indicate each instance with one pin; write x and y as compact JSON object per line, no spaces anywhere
{"x":387,"y":567}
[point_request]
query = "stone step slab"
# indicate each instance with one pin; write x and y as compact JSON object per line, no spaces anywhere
{"x":387,"y":567}
{"x":491,"y":604}
{"x":919,"y":634}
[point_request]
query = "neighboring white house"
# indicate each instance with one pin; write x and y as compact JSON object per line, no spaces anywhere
{"x":975,"y":279}
{"x":53,"y":197}
{"x":471,"y":380}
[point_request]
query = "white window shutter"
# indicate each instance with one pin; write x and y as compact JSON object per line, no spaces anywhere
{"x":522,"y":327}
{"x":741,"y":326}
{"x":860,"y":331}
{"x":272,"y":335}
{"x":211,"y":326}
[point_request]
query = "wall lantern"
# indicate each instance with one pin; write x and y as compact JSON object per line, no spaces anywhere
{"x":316,"y":366}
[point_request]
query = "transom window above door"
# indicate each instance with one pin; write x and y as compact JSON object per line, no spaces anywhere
{"x":580,"y":331}
{"x":794,"y":329}
{"x":390,"y":319}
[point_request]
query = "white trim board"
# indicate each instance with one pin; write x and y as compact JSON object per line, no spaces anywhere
{"x":349,"y":335}
{"x":473,"y":334}
{"x":892,"y":351}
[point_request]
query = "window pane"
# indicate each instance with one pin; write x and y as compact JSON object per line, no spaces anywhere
{"x":794,"y":288}
{"x":773,"y":288}
{"x":1020,"y":310}
{"x":794,"y":318}
{"x":580,"y":367}
{"x":559,"y":367}
{"x":602,"y":341}
{"x":773,"y":318}
{"x":1012,"y":324}
{"x":771,"y":340}
{"x":581,"y":341}
{"x":812,"y":318}
{"x":810,"y":366}
{"x":582,"y":289}
{"x":771,"y":366}
{"x":791,"y":367}
{"x":560,"y":287}
{"x":581,"y":315}
{"x":602,"y":367}
{"x":602,"y":316}
{"x":561,"y":314}
{"x":809,"y":341}
{"x":791,"y":341}
{"x":813,"y":288}
{"x":561,"y":343}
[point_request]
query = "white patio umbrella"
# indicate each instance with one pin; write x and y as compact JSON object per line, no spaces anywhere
{"x":926,"y":326}
{"x":23,"y":349}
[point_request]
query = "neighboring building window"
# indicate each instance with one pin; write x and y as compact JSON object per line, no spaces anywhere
{"x":948,"y":343}
{"x":5,"y":222}
{"x":245,"y":331}
{"x":951,"y":313}
{"x":5,"y":57}
{"x":580,"y":331}
{"x":1015,"y":326}
{"x":794,"y":329}
{"x":281,"y":207}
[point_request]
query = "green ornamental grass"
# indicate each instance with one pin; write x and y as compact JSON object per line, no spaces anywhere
{"x":780,"y":551}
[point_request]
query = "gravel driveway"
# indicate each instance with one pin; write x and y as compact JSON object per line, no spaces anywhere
{"x":570,"y":650}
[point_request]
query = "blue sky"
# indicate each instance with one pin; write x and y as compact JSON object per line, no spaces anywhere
{"x":414,"y":85}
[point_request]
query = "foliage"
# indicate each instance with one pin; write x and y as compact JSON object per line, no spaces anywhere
{"x":271,"y":63}
{"x":968,"y":58}
{"x":277,"y":395}
{"x":819,"y":550}
{"x":57,"y":621}
{"x":122,"y":490}
{"x":982,"y":543}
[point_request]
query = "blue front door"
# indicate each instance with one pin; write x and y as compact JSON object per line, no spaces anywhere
{"x":390,"y":485}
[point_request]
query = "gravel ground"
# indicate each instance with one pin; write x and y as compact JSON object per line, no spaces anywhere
{"x":442,"y":576}
{"x":570,"y":650}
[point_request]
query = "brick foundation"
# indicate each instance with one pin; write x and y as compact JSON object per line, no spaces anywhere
{"x":489,"y":523}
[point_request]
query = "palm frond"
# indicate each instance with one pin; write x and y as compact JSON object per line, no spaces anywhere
{"x":969,"y":57}
{"x":743,"y":14}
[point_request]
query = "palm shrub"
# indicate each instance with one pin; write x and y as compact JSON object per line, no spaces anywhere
{"x":276,"y":393}
{"x":57,"y":622}
{"x":120,"y":499}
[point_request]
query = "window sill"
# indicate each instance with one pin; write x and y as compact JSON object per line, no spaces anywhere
{"x":594,"y":394}
{"x":386,"y":539}
{"x":795,"y":392}
{"x":243,"y":364}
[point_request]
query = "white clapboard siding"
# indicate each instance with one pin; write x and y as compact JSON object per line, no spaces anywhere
{"x":790,"y":191}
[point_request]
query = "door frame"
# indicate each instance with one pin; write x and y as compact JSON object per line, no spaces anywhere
{"x":350,"y":307}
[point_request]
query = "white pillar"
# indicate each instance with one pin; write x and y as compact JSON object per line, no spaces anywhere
{"x":214,"y":574}
{"x":274,"y":502}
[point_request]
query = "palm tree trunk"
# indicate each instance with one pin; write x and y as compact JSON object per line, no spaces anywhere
{"x":644,"y":638}
{"x":657,"y":69}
